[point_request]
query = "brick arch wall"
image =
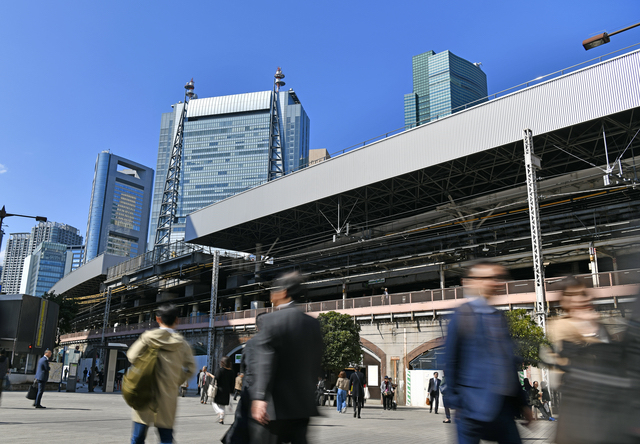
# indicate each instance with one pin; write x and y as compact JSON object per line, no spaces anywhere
{"x":437,"y":342}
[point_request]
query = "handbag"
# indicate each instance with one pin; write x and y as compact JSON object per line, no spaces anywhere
{"x":33,"y":391}
{"x":367,"y":395}
{"x":428,"y":401}
{"x":212,"y":390}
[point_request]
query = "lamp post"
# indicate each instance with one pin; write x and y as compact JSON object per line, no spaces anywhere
{"x":3,"y":214}
{"x":603,"y":38}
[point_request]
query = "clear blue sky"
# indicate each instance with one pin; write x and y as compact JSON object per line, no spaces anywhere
{"x":79,"y":77}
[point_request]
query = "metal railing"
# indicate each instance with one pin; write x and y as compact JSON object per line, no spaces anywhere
{"x":605,"y":279}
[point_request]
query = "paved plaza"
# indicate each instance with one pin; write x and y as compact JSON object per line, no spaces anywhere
{"x":86,"y":418}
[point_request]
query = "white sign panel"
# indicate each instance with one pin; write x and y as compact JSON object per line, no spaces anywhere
{"x":372,"y":376}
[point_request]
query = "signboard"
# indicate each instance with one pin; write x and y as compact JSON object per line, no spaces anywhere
{"x":372,"y":376}
{"x":238,"y":358}
{"x":55,"y":372}
{"x":376,"y":281}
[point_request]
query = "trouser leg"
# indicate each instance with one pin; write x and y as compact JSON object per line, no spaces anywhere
{"x":166,"y":436}
{"x":41,"y":386}
{"x":139,"y":433}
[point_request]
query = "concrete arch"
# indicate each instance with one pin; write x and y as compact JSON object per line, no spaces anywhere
{"x":239,"y":347}
{"x":437,"y":342}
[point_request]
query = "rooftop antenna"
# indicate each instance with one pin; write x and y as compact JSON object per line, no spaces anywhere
{"x":276,"y":160}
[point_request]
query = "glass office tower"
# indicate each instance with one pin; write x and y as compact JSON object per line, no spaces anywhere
{"x":43,"y":268}
{"x":442,"y":84}
{"x":119,"y":210}
{"x":226,"y":149}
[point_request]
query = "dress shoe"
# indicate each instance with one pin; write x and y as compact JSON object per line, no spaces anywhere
{"x":447,"y":421}
{"x":40,"y":407}
{"x":354,"y":414}
{"x":358,"y":416}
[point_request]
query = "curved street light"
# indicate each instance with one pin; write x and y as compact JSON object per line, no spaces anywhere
{"x":3,"y":214}
{"x":603,"y":38}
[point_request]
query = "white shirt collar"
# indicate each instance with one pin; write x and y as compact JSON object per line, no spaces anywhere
{"x":170,"y":330}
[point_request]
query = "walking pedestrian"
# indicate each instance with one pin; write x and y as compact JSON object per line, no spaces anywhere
{"x":238,"y":387}
{"x":443,"y":390}
{"x":434,"y":392}
{"x":4,"y":369}
{"x":204,"y":381}
{"x":481,"y":367}
{"x":342,"y":384}
{"x":288,"y":352}
{"x":225,"y":381}
{"x":84,"y":375}
{"x":357,"y":390}
{"x":386,"y":388}
{"x":42,"y":376}
{"x":198,"y":381}
{"x":175,"y":364}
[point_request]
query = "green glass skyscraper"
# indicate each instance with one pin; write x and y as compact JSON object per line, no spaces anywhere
{"x":442,"y":84}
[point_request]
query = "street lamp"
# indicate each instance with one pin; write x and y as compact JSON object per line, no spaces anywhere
{"x":603,"y":38}
{"x":3,"y":214}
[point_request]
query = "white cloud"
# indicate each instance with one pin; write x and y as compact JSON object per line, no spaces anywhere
{"x":3,"y":169}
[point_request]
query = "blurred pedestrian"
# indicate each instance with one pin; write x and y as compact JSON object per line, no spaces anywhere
{"x":535,"y":399}
{"x":288,"y":352}
{"x":238,"y":387}
{"x":481,"y":368}
{"x":357,"y":382}
{"x":443,"y":390}
{"x":434,"y":392}
{"x":84,"y":374}
{"x":174,"y":365}
{"x":4,"y":369}
{"x":593,"y":371}
{"x":342,"y":384}
{"x":225,"y":382}
{"x":183,"y":388}
{"x":320,"y":388}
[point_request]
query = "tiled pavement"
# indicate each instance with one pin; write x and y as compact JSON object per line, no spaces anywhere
{"x":86,"y":418}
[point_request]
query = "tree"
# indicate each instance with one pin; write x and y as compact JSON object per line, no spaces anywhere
{"x":527,"y":335}
{"x":341,"y":338}
{"x":68,"y":311}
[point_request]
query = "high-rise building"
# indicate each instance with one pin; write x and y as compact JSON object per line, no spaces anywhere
{"x":442,"y":83}
{"x":118,"y":220}
{"x":18,"y":248}
{"x":21,"y":245}
{"x":43,"y":268}
{"x":226,"y":149}
{"x":54,"y":232}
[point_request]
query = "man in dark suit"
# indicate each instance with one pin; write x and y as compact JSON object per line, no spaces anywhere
{"x":42,"y":376}
{"x":288,"y":354}
{"x":357,"y":382}
{"x":478,"y":344}
{"x":434,"y":392}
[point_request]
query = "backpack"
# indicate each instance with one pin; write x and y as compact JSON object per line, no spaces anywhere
{"x":139,"y":383}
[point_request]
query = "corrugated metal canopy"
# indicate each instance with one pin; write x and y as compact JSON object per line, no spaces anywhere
{"x":475,"y":151}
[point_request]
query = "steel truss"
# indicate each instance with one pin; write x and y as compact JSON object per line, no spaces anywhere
{"x":170,"y":194}
{"x":276,"y":157}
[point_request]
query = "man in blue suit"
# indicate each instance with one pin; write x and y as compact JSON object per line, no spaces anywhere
{"x":42,"y":376}
{"x":482,"y":379}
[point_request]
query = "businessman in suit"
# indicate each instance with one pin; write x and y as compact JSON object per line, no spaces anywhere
{"x":42,"y":376}
{"x":357,"y":382}
{"x":478,"y":344}
{"x":434,"y":392}
{"x":288,"y":354}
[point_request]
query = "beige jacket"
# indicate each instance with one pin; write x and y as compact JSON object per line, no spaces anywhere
{"x":175,"y":365}
{"x":342,"y":383}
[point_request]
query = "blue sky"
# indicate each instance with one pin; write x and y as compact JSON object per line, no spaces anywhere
{"x":78,"y":77}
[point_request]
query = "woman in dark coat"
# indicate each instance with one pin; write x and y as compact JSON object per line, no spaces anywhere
{"x":225,"y":380}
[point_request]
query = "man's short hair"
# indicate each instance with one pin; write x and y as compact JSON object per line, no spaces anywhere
{"x":292,"y":283}
{"x":480,"y":263}
{"x":168,"y":313}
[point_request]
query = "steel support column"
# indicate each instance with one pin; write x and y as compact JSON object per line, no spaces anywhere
{"x":215,"y":270}
{"x":532,"y":163}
